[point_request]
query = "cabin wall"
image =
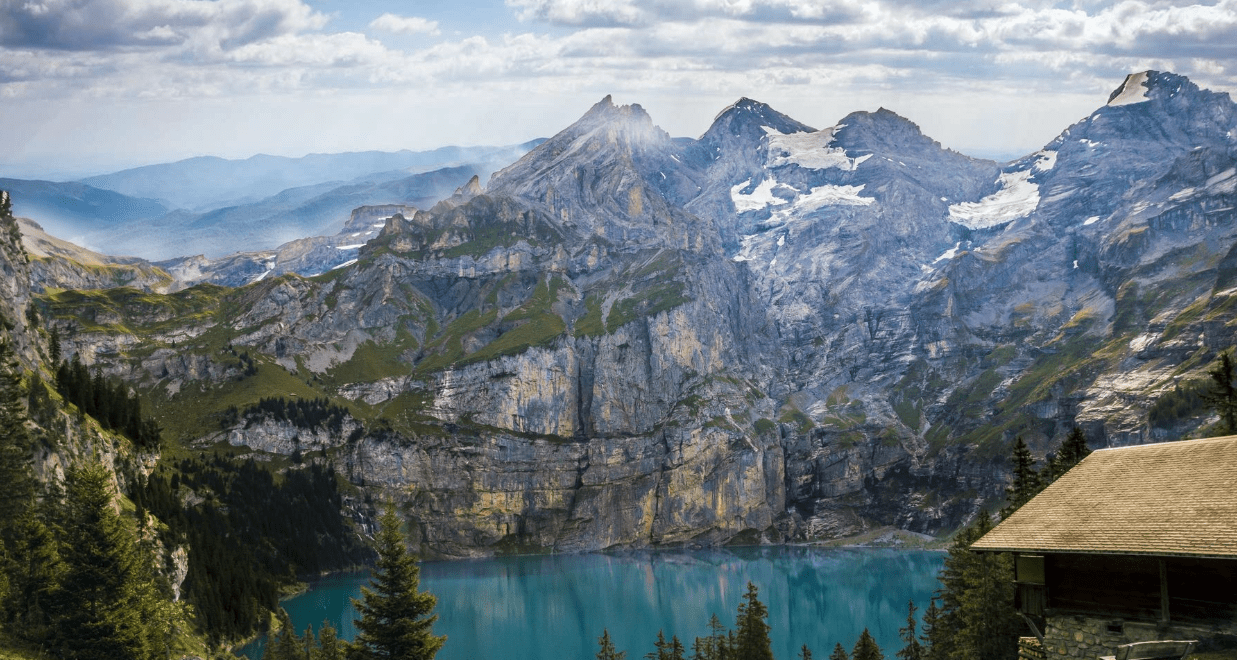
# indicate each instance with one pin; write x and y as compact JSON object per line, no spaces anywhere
{"x":1077,"y":636}
{"x":1096,"y":603}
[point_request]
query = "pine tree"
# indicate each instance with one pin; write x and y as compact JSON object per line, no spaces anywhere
{"x":607,"y":651}
{"x":990,"y":625}
{"x":911,"y":649}
{"x":107,"y":606}
{"x":944,"y":629}
{"x":713,"y":647}
{"x":329,"y":645}
{"x":839,"y":653}
{"x":931,"y":616}
{"x":1026,"y":480}
{"x":660,"y":648}
{"x":286,"y":645}
{"x":1223,"y":395}
{"x":866,"y":648}
{"x":1072,"y":451}
{"x":15,"y":446}
{"x":752,"y":636}
{"x":36,"y":569}
{"x":396,"y":617}
{"x":676,"y":649}
{"x":53,"y":348}
{"x":805,"y":653}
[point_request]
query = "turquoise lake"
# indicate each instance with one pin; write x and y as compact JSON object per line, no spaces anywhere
{"x":555,"y":607}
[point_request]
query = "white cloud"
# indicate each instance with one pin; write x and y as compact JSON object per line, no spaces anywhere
{"x":823,"y":55}
{"x":111,"y":24}
{"x":405,"y":24}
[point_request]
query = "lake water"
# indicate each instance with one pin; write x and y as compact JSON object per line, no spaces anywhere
{"x":555,"y":607}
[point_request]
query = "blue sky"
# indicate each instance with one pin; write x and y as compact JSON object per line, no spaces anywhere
{"x":89,"y":86}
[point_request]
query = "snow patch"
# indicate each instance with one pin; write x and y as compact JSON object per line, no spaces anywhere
{"x":813,"y":151}
{"x":828,"y":195}
{"x":1181,"y":194}
{"x":345,"y":264}
{"x":1017,"y":198}
{"x":1133,"y":90}
{"x":380,"y":225}
{"x":1091,"y":220}
{"x":781,"y":240}
{"x":759,"y":198}
{"x":261,"y":277}
{"x":949,"y":254}
{"x":350,"y":247}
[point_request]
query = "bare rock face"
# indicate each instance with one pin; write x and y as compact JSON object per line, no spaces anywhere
{"x":771,"y":332}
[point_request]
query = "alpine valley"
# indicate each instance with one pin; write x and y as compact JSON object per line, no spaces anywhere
{"x":770,"y":333}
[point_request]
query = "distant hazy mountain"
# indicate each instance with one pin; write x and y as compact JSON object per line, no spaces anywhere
{"x":318,"y":210}
{"x":76,"y":209}
{"x":207,"y":183}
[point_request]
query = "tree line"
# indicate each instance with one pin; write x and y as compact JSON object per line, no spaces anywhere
{"x":302,"y":413}
{"x":108,"y":402}
{"x":249,"y":536}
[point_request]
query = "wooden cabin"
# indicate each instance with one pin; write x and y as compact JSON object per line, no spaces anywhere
{"x":1133,"y":544}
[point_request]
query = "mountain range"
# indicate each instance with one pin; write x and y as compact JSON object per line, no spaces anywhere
{"x":768,"y":333}
{"x":216,"y":207}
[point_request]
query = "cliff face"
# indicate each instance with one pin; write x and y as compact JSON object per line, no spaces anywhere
{"x":768,"y":333}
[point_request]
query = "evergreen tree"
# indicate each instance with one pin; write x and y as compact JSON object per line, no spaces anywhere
{"x":53,"y":348}
{"x":931,"y":616}
{"x":607,"y":651}
{"x":676,"y":649}
{"x":944,"y":628}
{"x":665,"y":650}
{"x":396,"y":621}
{"x":1223,"y":395}
{"x":36,"y":569}
{"x":1026,"y":480}
{"x":107,"y":606}
{"x":286,"y":645}
{"x":805,"y":653}
{"x":839,"y":653}
{"x":1072,"y":451}
{"x":715,"y":646}
{"x":866,"y":648}
{"x":329,"y":645}
{"x":752,"y":636}
{"x":990,"y":625}
{"x":660,"y":648}
{"x":911,"y":649}
{"x":15,"y":446}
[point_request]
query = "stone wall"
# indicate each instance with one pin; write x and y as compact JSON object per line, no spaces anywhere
{"x":1075,"y":636}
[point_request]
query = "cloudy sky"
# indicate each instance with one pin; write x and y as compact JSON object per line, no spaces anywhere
{"x":88,"y":86}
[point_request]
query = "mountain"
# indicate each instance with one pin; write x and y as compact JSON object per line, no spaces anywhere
{"x":290,"y":215}
{"x":767,"y":333}
{"x":76,"y":209}
{"x":207,"y":183}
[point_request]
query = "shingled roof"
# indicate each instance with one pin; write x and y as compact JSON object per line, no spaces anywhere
{"x":1166,"y":499}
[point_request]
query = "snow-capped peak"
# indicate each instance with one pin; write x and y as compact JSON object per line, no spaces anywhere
{"x":1133,"y":90}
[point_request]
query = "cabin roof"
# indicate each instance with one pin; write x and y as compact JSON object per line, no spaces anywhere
{"x":1165,"y":499}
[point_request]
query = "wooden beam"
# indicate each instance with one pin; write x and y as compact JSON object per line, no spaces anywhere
{"x":1164,"y":617}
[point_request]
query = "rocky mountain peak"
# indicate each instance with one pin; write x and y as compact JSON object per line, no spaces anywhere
{"x":751,"y":119}
{"x":886,"y":133}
